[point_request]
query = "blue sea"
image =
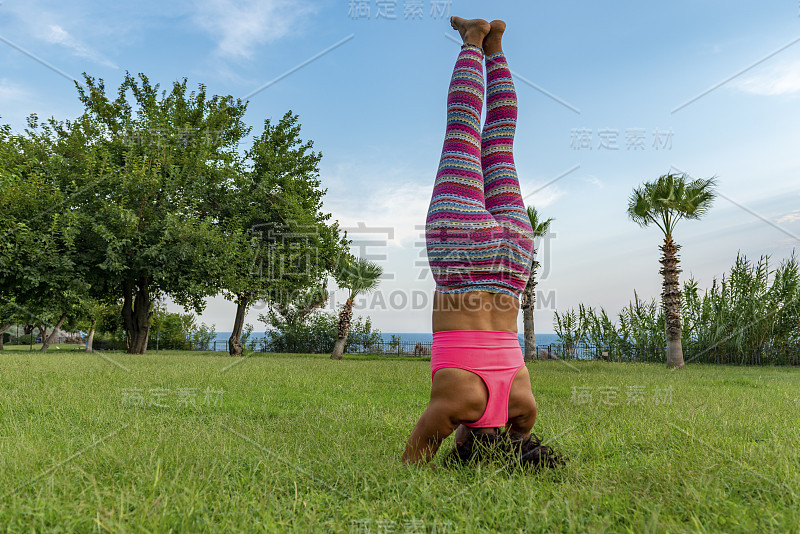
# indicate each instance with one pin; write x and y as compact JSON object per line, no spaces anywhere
{"x":409,"y":337}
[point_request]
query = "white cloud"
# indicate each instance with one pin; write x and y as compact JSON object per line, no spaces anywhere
{"x":541,"y":198}
{"x":399,"y":201}
{"x":55,"y":34}
{"x":789,"y":218}
{"x":239,"y":26}
{"x":10,"y":93}
{"x":16,"y":103}
{"x":400,"y":208}
{"x":594,"y":180}
{"x":780,"y":79}
{"x":48,"y":22}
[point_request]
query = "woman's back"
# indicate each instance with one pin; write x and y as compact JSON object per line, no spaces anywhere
{"x":475,"y":310}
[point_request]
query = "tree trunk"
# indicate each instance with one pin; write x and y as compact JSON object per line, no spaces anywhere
{"x":3,"y":328}
{"x":136,"y":315}
{"x":46,"y":342}
{"x":90,"y":337}
{"x":671,"y":297}
{"x":235,"y":341}
{"x":338,"y":348}
{"x":344,"y":328}
{"x":527,"y":305}
{"x":42,"y":331}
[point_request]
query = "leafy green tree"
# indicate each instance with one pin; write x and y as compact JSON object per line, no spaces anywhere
{"x":140,"y":171}
{"x":317,"y":333}
{"x":664,"y":202}
{"x":395,"y":342}
{"x":40,"y":272}
{"x":109,"y":331}
{"x":294,"y":312}
{"x":10,"y":315}
{"x":202,"y":336}
{"x":358,"y":276}
{"x":100,"y":316}
{"x":180,"y":331}
{"x":288,"y":321}
{"x":540,"y":228}
{"x":282,"y":243}
{"x":6,"y":320}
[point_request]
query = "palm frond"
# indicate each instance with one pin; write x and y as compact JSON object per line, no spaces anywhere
{"x":669,"y":199}
{"x":540,"y":228}
{"x":359,"y":275}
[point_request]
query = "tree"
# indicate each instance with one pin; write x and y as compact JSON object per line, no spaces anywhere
{"x":180,"y":331}
{"x":9,"y":316}
{"x":99,"y":316}
{"x":357,"y":276}
{"x":109,"y":331}
{"x":39,"y":267}
{"x":317,"y":333}
{"x":140,"y":174}
{"x":293,"y":313}
{"x":664,"y":202}
{"x":540,"y":228}
{"x":282,"y":244}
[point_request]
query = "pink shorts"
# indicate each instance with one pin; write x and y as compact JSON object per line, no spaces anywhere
{"x":496,"y":357}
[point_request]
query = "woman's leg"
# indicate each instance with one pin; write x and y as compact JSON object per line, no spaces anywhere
{"x":521,"y":406}
{"x":460,"y":171}
{"x":460,"y":174}
{"x":455,"y":397}
{"x":458,"y":223}
{"x":501,"y":184}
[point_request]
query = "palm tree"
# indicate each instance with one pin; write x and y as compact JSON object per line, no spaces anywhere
{"x":358,"y":276}
{"x":540,"y":228}
{"x":663,"y":203}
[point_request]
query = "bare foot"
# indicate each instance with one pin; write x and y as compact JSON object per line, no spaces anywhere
{"x":472,"y":30}
{"x":493,"y":42}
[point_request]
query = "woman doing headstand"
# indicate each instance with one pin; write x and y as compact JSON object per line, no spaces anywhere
{"x":480,"y":249}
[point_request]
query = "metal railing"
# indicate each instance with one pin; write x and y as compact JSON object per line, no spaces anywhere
{"x":765,"y":355}
{"x":380,"y":348}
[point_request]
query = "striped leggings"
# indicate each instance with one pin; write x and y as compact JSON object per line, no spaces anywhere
{"x":478,"y":233}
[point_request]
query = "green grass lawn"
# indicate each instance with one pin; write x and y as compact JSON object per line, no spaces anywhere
{"x":184,"y":442}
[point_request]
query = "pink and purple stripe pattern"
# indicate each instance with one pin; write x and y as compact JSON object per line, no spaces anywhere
{"x":478,"y":234}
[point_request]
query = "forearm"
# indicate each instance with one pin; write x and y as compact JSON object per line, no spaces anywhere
{"x":427,"y":436}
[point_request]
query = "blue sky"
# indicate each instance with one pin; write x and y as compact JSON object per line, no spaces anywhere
{"x":607,"y":91}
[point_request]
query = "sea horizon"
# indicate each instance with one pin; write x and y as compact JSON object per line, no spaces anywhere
{"x":542,"y":338}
